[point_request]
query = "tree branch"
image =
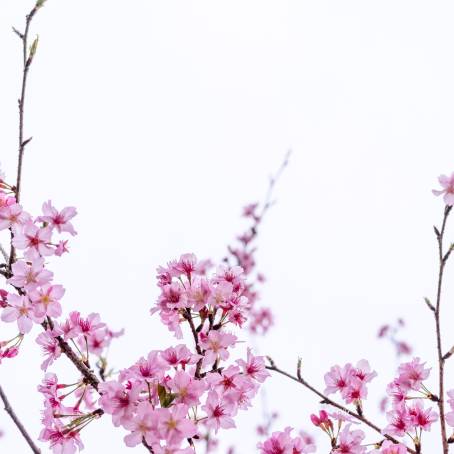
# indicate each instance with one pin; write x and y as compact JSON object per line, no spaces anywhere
{"x":442,"y":259}
{"x":327,"y":400}
{"x":27,"y":57}
{"x":87,"y":373}
{"x":18,"y":423}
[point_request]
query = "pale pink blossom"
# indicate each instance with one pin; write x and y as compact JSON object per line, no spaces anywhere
{"x":20,"y":309}
{"x":215,"y":345}
{"x":254,"y":367}
{"x":47,"y":300}
{"x":447,"y":183}
{"x":34,"y":238}
{"x":59,"y":220}
{"x":13,"y":216}
{"x":219,"y":413}
{"x":50,"y":348}
{"x":174,"y":424}
{"x":30,"y":275}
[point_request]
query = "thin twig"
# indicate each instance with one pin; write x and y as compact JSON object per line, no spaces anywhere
{"x":195,"y":334}
{"x":273,"y":180}
{"x":147,"y":446}
{"x":18,"y":423}
{"x":88,"y":374}
{"x":27,"y":58}
{"x":442,"y":259}
{"x":327,"y":400}
{"x":4,"y":253}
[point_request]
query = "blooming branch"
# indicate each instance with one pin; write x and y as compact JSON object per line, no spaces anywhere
{"x":443,"y":258}
{"x":326,"y":400}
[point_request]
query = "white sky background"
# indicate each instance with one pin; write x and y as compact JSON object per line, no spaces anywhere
{"x":160,"y":120}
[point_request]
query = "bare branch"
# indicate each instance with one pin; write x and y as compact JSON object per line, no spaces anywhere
{"x":27,"y":57}
{"x":18,"y":423}
{"x":442,"y":258}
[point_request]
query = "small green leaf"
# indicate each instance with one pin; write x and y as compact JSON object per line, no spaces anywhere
{"x":165,"y":398}
{"x":162,"y":394}
{"x":34,"y":47}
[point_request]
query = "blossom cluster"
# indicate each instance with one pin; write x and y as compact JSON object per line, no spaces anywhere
{"x":285,"y":443}
{"x":407,"y":418}
{"x":169,"y":396}
{"x":243,"y":254}
{"x":64,"y":420}
{"x":390,"y":331}
{"x":35,"y":299}
{"x":163,"y":398}
{"x":351,"y":382}
{"x":216,"y":301}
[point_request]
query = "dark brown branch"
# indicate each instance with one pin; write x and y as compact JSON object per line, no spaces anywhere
{"x":327,"y":400}
{"x":195,"y":334}
{"x":147,"y":446}
{"x":27,"y":58}
{"x":87,"y":373}
{"x":442,"y":259}
{"x":18,"y":423}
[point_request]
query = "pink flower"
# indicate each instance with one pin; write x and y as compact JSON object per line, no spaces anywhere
{"x":47,"y":300}
{"x":338,"y":379}
{"x":283,"y":443}
{"x":199,"y":293}
{"x":186,"y":265}
{"x":85,"y":326}
{"x":12,"y":216}
{"x":220,"y":294}
{"x":322,"y":419}
{"x":144,"y":425}
{"x":174,"y":424}
{"x":50,"y":348}
{"x":399,"y":421}
{"x":58,"y":220}
{"x":355,"y":392}
{"x":396,"y":392}
{"x":363,"y":372}
{"x":21,"y":310}
{"x":241,"y":395}
{"x":261,"y":320}
{"x":173,"y":296}
{"x":62,"y":441}
{"x":349,"y":442}
{"x":219,"y":414}
{"x":233,"y":275}
{"x":227,"y":380}
{"x":151,"y":367}
{"x":447,"y":183}
{"x":254,"y":367}
{"x":179,"y":356}
{"x":187,"y":389}
{"x":450,"y":415}
{"x":9,"y":352}
{"x":215,"y":345}
{"x":3,"y":298}
{"x":420,"y":417}
{"x":62,"y":248}
{"x":29,"y":275}
{"x":278,"y":443}
{"x":34,"y":238}
{"x":249,"y":210}
{"x":118,"y":401}
{"x":412,"y":374}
